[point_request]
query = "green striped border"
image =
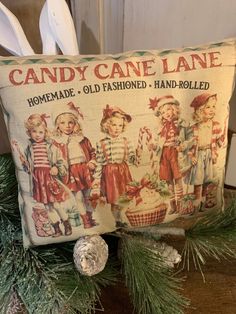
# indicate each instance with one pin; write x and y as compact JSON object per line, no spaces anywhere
{"x":42,"y":59}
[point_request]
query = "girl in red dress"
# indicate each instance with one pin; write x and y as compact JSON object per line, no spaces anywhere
{"x":38,"y":163}
{"x":114,"y":153}
{"x":79,"y":159}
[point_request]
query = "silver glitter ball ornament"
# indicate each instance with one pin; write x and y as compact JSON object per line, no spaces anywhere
{"x":90,"y":255}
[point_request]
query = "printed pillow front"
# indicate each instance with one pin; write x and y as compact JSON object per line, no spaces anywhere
{"x":109,"y":141}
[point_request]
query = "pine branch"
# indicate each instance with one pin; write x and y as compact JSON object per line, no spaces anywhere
{"x":151,"y":284}
{"x":7,"y":279}
{"x":46,"y":280}
{"x":9,"y":232}
{"x":8,"y":188}
{"x":213,"y":236}
{"x":24,"y":271}
{"x":83,"y":292}
{"x":15,"y":304}
{"x":213,"y":221}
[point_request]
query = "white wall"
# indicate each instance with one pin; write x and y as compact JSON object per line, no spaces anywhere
{"x":99,"y":25}
{"x":154,"y":24}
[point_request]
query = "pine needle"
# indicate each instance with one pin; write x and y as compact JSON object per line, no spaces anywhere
{"x":83,"y":292}
{"x":152,"y":286}
{"x":8,"y":188}
{"x":213,"y":236}
{"x":44,"y":278}
{"x":48,"y":283}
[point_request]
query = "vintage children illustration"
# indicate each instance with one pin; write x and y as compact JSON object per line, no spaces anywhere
{"x":117,"y":142}
{"x":78,"y":157}
{"x":209,"y":138}
{"x":113,"y":155}
{"x":74,"y":179}
{"x":37,"y":161}
{"x":173,"y":139}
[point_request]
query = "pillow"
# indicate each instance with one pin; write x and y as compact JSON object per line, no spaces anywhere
{"x":109,"y":141}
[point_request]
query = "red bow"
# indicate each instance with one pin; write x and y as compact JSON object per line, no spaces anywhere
{"x":75,"y":109}
{"x":167,"y":126}
{"x":44,"y":116}
{"x":134,"y":191}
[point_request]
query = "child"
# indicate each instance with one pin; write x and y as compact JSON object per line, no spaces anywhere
{"x":173,"y":139}
{"x":209,"y":138}
{"x":79,"y":156}
{"x":113,"y":154}
{"x":37,"y":162}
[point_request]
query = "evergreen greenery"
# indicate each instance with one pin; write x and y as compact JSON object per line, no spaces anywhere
{"x":44,"y":278}
{"x":213,"y":236}
{"x":46,"y":281}
{"x":151,"y":283}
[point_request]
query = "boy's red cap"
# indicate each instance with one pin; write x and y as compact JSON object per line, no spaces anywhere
{"x":200,"y":100}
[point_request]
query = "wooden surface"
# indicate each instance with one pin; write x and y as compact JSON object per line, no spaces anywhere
{"x":216,"y":296}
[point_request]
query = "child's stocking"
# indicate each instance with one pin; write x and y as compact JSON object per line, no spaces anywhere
{"x":179,"y":193}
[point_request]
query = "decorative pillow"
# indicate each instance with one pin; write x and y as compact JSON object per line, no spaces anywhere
{"x":129,"y":140}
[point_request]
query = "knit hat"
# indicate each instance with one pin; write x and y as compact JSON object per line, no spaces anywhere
{"x":200,"y":100}
{"x":109,"y":112}
{"x":68,"y":108}
{"x":157,"y":103}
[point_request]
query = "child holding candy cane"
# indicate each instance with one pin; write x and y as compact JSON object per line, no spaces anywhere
{"x":79,"y":156}
{"x":209,"y":138}
{"x":173,"y":138}
{"x":37,"y":161}
{"x":114,"y":153}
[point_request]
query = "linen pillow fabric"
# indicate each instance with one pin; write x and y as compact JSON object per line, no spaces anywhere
{"x":109,"y":141}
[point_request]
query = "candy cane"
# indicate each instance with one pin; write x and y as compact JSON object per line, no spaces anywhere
{"x":149,"y":135}
{"x":14,"y":145}
{"x":139,"y":149}
{"x":148,"y":141}
{"x":21,"y":155}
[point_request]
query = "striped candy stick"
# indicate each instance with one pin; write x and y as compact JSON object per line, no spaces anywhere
{"x":149,"y":141}
{"x":139,"y":148}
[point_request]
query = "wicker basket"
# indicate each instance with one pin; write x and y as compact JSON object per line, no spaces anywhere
{"x":147,"y":218}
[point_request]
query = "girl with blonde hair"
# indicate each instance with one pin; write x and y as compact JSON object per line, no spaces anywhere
{"x":113,"y":155}
{"x":37,"y":161}
{"x":79,"y":158}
